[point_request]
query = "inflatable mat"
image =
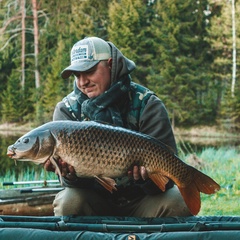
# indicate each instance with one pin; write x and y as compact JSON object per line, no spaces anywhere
{"x":75,"y":227}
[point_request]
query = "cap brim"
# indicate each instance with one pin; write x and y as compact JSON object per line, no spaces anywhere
{"x":79,"y":67}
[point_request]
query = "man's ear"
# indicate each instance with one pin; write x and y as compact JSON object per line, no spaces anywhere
{"x":110,"y":63}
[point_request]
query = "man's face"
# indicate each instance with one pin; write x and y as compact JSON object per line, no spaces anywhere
{"x":96,"y":80}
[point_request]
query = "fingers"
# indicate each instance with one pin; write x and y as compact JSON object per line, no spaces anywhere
{"x":67,"y":171}
{"x":64,"y":168}
{"x":138,"y":173}
{"x":48,"y":166}
{"x":143,"y":173}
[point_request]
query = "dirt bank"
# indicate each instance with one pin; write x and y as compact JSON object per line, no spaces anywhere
{"x":199,"y":131}
{"x":14,"y":128}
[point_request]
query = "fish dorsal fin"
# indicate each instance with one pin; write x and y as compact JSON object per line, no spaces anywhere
{"x":107,"y":183}
{"x":159,"y":179}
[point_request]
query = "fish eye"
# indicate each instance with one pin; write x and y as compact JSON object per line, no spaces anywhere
{"x":25,"y":140}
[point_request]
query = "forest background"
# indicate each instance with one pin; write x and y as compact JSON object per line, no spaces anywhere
{"x":185,"y":50}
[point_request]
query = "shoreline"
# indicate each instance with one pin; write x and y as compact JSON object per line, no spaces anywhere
{"x":15,"y":128}
{"x":195,"y":131}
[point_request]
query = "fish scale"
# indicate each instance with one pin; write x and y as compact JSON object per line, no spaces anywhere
{"x":106,"y":152}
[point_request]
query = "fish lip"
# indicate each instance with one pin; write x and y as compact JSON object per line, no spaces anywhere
{"x":10,"y":153}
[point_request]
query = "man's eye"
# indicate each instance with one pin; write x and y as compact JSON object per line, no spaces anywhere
{"x":76,"y":74}
{"x":92,"y":70}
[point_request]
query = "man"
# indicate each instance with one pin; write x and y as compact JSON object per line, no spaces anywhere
{"x":103,"y":91}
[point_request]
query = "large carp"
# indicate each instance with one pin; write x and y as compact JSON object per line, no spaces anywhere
{"x":106,"y":152}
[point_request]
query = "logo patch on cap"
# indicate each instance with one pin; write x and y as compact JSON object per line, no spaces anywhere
{"x":79,"y":53}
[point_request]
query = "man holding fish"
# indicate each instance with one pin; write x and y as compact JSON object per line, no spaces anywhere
{"x":104,"y":92}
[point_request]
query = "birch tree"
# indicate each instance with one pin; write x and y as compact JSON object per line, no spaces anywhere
{"x":234,"y":51}
{"x":36,"y":42}
{"x":23,"y":13}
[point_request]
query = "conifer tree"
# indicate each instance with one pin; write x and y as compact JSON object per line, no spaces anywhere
{"x":181,"y":73}
{"x":12,"y":108}
{"x":128,"y":21}
{"x":89,"y":18}
{"x":54,"y":88}
{"x":220,"y":37}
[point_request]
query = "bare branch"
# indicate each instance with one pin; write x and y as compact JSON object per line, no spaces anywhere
{"x":7,"y":42}
{"x":10,"y":20}
{"x":28,"y":30}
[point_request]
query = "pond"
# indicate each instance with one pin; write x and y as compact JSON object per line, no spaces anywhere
{"x":190,"y":144}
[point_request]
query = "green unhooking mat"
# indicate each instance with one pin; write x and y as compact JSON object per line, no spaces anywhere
{"x":75,"y":227}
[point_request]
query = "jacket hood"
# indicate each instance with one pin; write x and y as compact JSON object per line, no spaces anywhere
{"x":121,"y":65}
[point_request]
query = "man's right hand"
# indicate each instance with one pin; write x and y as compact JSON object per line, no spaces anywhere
{"x":48,"y":166}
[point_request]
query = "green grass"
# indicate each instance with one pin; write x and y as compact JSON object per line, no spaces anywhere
{"x":29,"y":174}
{"x":223,"y":166}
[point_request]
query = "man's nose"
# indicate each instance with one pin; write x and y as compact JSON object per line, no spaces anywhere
{"x":82,"y":79}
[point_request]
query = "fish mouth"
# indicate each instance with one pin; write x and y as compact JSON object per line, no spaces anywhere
{"x":10,"y":153}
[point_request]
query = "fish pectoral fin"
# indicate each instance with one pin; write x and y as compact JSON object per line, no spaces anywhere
{"x":54,"y":163}
{"x":159,"y":179}
{"x":107,"y":183}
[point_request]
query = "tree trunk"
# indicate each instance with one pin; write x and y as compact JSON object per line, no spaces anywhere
{"x":23,"y":10}
{"x":234,"y":48}
{"x":36,"y":48}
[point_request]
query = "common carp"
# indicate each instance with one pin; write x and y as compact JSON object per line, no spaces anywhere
{"x":106,"y":152}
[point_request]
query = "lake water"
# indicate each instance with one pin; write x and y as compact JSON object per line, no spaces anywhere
{"x":197,"y":144}
{"x":187,"y":145}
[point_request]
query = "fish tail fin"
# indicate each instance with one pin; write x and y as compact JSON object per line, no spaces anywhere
{"x":191,"y":193}
{"x":191,"y":196}
{"x":204,"y":183}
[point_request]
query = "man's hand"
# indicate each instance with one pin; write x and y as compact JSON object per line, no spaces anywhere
{"x":138,"y":173}
{"x":66,"y":170}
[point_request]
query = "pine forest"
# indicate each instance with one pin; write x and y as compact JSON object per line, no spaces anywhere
{"x":186,"y":51}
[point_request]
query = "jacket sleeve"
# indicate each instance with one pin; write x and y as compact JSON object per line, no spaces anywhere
{"x":154,"y":121}
{"x":79,"y":182}
{"x":62,"y":113}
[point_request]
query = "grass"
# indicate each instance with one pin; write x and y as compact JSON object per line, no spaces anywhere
{"x":29,"y":174}
{"x":221,"y":164}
